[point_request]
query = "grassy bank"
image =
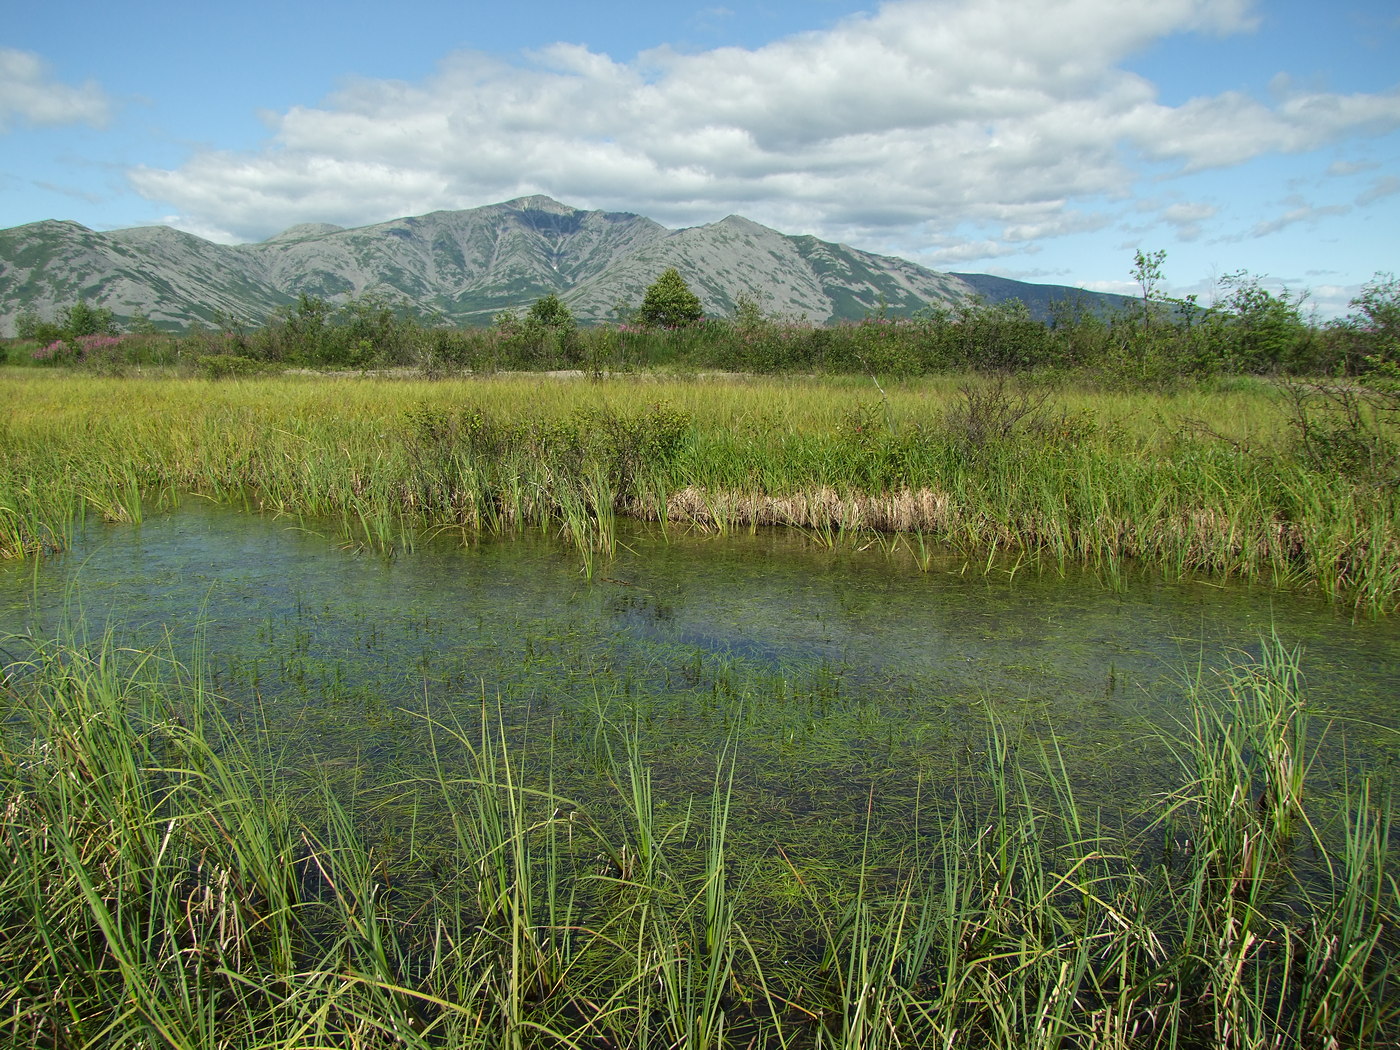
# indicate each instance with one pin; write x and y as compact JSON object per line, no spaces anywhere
{"x":168,"y":880}
{"x":1245,"y":479}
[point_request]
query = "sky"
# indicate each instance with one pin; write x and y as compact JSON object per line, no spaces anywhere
{"x":1042,"y":140}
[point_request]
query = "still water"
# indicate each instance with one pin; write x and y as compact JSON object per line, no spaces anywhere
{"x":833,"y":675}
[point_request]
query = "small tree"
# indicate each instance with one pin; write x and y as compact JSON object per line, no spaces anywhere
{"x":1147,"y":272}
{"x":748,"y":315}
{"x":80,"y":319}
{"x":1262,"y":331}
{"x":669,"y":303}
{"x":549,"y":311}
{"x":297,"y":333}
{"x":1374,"y":323}
{"x":551,"y":332}
{"x":29,"y":325}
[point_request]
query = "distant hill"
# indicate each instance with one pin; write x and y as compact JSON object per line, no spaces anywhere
{"x":1039,"y":298}
{"x":465,"y":266}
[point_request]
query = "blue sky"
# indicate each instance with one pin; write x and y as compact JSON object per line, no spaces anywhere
{"x":1044,"y":140}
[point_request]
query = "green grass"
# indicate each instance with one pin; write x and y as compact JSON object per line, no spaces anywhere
{"x":168,"y":882}
{"x":1198,"y":480}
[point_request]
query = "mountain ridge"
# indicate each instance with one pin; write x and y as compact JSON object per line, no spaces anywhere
{"x":465,"y":266}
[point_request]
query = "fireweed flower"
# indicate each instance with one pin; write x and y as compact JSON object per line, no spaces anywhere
{"x":92,"y":345}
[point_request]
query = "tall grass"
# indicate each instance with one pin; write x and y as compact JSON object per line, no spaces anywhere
{"x":1192,"y":481}
{"x":165,"y":882}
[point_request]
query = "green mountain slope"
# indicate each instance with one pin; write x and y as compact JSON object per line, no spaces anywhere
{"x":465,"y":266}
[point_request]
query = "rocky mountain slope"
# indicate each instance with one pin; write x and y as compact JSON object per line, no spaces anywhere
{"x":465,"y":266}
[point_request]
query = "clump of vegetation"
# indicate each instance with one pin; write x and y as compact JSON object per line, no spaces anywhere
{"x":74,"y":322}
{"x":230,"y":366}
{"x":1348,"y":429}
{"x":991,"y":413}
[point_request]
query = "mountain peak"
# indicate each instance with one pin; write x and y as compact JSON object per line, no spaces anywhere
{"x":54,"y":224}
{"x":539,"y":202}
{"x":739,"y":223}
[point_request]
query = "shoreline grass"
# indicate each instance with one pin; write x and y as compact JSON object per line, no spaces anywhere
{"x":1200,"y":479}
{"x":166,"y":884}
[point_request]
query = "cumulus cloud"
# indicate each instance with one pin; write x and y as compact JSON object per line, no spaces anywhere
{"x":1057,"y":224}
{"x":948,"y":258}
{"x":29,"y":94}
{"x":892,"y":130}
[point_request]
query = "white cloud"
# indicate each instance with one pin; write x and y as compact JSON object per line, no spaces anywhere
{"x":29,"y":94}
{"x":1057,"y":224}
{"x":1300,"y":212}
{"x":1114,"y":287}
{"x":893,"y":130}
{"x":1232,"y":128}
{"x":1333,"y":300}
{"x":972,"y":251}
{"x":1187,"y":218}
{"x":1344,"y":168}
{"x":1385,"y":186}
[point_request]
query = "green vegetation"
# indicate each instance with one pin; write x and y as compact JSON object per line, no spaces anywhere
{"x":1293,"y":485}
{"x":169,"y":880}
{"x":76,"y":321}
{"x":170,"y":877}
{"x":1248,"y":330}
{"x":669,"y":302}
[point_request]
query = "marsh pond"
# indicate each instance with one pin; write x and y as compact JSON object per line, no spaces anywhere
{"x":758,"y":789}
{"x":831,"y":674}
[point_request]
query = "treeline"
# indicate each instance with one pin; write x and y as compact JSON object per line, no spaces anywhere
{"x":1248,"y":330}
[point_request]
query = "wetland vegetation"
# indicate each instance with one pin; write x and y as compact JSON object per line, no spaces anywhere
{"x":1291,"y":485}
{"x":180,"y":871}
{"x":551,"y":832}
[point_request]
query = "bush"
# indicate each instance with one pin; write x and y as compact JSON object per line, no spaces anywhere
{"x":72,"y":337}
{"x":1372,"y":331}
{"x":989,"y":414}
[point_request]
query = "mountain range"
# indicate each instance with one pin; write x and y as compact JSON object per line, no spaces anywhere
{"x":466,"y":266}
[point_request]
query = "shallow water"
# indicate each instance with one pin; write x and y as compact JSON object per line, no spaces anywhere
{"x":836,"y":675}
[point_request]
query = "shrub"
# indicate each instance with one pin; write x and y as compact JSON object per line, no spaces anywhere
{"x":991,"y":413}
{"x":1348,"y":430}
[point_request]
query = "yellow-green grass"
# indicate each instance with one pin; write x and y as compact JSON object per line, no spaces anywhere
{"x":1199,"y":479}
